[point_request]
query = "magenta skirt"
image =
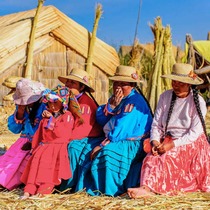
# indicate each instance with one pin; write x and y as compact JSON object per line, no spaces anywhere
{"x":12,"y":164}
{"x":182,"y":169}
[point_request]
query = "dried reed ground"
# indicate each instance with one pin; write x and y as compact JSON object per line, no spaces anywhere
{"x":9,"y":200}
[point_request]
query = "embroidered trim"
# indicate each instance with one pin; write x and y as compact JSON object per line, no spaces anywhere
{"x":29,"y":137}
{"x":192,"y":75}
{"x":88,"y":110}
{"x":128,"y":107}
{"x":85,"y":79}
{"x":83,"y":109}
{"x":106,"y":112}
{"x":50,"y":125}
{"x":68,"y":118}
{"x":144,"y":136}
{"x":18,"y":121}
{"x":79,"y":95}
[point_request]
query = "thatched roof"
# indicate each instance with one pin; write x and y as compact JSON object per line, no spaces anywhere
{"x":52,"y":24}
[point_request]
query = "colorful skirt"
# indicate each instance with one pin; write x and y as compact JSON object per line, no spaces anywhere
{"x":75,"y":149}
{"x":182,"y":169}
{"x":12,"y":164}
{"x":115,"y":168}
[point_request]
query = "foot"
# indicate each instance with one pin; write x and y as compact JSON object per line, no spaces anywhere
{"x":39,"y":195}
{"x":25,"y":196}
{"x":140,"y":192}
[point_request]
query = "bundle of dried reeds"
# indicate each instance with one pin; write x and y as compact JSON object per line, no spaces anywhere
{"x":163,"y":61}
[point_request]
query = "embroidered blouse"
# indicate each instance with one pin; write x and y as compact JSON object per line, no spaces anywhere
{"x":130,"y":120}
{"x":24,"y":126}
{"x":184,"y":124}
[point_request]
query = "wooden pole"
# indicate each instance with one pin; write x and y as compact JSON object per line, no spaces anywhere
{"x":93,"y":38}
{"x":29,"y":57}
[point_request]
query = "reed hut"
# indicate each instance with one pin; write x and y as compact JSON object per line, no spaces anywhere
{"x":198,"y":54}
{"x":60,"y":45}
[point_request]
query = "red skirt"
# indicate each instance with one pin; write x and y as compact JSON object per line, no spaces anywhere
{"x":182,"y":169}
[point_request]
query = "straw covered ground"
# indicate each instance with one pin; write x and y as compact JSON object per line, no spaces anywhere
{"x":10,"y":200}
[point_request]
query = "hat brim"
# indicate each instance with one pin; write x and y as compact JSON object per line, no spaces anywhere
{"x":123,"y":79}
{"x":188,"y":80}
{"x":26,"y":100}
{"x":63,"y":79}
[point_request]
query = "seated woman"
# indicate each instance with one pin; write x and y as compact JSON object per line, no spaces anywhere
{"x":78,"y":81}
{"x":49,"y":163}
{"x":181,"y":164}
{"x":126,"y":120}
{"x":25,"y":120}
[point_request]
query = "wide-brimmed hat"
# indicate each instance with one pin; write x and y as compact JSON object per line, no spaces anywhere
{"x":78,"y":75}
{"x":125,"y":74}
{"x":183,"y":72}
{"x":28,"y":91}
{"x":59,"y":93}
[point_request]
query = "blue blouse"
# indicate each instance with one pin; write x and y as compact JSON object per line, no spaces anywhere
{"x":130,"y":120}
{"x":24,"y":126}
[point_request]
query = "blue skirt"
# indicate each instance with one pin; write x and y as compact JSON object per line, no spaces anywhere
{"x":75,"y":149}
{"x":115,"y":168}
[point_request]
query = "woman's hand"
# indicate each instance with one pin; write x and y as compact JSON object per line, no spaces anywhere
{"x":46,"y":114}
{"x":26,"y":146}
{"x":94,"y":152}
{"x":164,"y":147}
{"x":20,"y":111}
{"x":97,"y":149}
{"x":155,"y":144}
{"x":116,"y":98}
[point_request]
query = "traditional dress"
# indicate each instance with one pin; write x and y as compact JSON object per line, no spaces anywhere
{"x":114,"y":168}
{"x":186,"y":167}
{"x":13,"y":162}
{"x":90,"y":127}
{"x":49,"y":163}
{"x":81,"y":136}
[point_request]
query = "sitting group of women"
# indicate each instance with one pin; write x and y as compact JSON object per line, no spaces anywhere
{"x":69,"y":142}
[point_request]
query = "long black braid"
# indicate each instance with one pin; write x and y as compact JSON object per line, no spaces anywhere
{"x":197,"y":105}
{"x":139,"y":90}
{"x":92,"y":98}
{"x":173,"y":99}
{"x":86,"y":89}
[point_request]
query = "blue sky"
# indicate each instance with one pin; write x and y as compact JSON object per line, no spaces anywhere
{"x":118,"y":22}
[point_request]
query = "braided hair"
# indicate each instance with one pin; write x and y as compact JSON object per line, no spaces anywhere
{"x":93,"y":98}
{"x":173,"y":99}
{"x":198,"y":108}
{"x":197,"y":105}
{"x":140,"y":92}
{"x":86,"y":89}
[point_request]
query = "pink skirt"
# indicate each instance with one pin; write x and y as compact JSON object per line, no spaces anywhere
{"x":182,"y":169}
{"x":12,"y":164}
